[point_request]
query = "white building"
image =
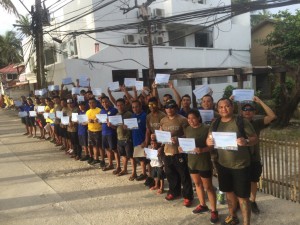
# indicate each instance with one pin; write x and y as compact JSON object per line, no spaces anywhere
{"x":186,"y":44}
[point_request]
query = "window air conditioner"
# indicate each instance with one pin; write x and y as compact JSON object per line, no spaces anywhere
{"x":158,"y":40}
{"x":158,"y":27}
{"x":130,"y":39}
{"x":144,"y":40}
{"x":158,"y":13}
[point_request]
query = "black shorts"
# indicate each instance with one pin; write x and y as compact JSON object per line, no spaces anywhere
{"x":30,"y":121}
{"x":125,"y":148}
{"x":56,"y":129}
{"x":63,"y":132}
{"x":23,"y":120}
{"x":109,"y":142}
{"x":235,"y":180}
{"x":73,"y":136}
{"x":82,"y":140}
{"x":94,"y":138}
{"x":255,"y":171}
{"x":202,"y":173}
{"x":158,"y":172}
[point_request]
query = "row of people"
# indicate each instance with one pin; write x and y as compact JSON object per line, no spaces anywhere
{"x":119,"y":142}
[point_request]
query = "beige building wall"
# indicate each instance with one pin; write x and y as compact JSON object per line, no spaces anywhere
{"x":258,"y":51}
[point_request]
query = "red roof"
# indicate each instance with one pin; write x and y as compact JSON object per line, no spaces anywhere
{"x":10,"y":69}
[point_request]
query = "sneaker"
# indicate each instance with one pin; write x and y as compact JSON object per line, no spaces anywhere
{"x":85,"y":158}
{"x":200,"y":209}
{"x":70,"y":151}
{"x":90,"y":160}
{"x":231,"y":220}
{"x":171,"y":197}
{"x":214,"y":217}
{"x":254,"y":207}
{"x":102,"y":164}
{"x":95,"y":162}
{"x":141,"y":177}
{"x":187,"y":202}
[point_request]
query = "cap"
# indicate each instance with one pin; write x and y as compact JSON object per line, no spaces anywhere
{"x":170,"y":104}
{"x":70,"y":100}
{"x":248,"y":107}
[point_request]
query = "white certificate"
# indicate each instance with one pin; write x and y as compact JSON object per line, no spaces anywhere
{"x":53,"y":87}
{"x":114,"y":86}
{"x":151,"y":153}
{"x":82,"y":118}
{"x":17,"y":103}
{"x":115,"y":120}
{"x":37,"y":92}
{"x":74,"y":117}
{"x":139,"y":85}
{"x":22,"y":114}
{"x":206,"y":115}
{"x":163,"y":136}
{"x":32,"y":113}
{"x":65,"y":120}
{"x":129,"y":82}
{"x":41,"y":108}
{"x":52,"y":116}
{"x":84,"y":83}
{"x":80,"y":98}
{"x":188,"y":145}
{"x":59,"y":114}
{"x":225,"y":140}
{"x":131,"y":123}
{"x":102,"y":118}
{"x":199,"y":92}
{"x":43,"y":91}
{"x":46,"y":115}
{"x":162,"y":78}
{"x":75,"y":91}
{"x":67,"y":80}
{"x":241,"y":95}
{"x":97,"y":91}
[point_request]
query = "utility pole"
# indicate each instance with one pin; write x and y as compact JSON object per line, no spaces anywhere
{"x":39,"y":45}
{"x":145,"y":16}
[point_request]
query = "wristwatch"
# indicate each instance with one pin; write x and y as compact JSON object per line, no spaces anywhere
{"x":247,"y":141}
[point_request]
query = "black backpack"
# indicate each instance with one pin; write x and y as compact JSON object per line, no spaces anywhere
{"x":239,"y":122}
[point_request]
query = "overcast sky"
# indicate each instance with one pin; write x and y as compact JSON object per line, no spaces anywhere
{"x":7,"y":20}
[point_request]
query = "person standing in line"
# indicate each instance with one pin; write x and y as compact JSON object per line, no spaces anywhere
{"x":175,"y":163}
{"x":94,"y":134}
{"x":248,"y":112}
{"x":109,"y":137}
{"x":200,"y":165}
{"x":234,"y":165}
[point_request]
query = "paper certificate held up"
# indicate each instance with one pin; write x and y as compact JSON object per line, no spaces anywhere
{"x":40,"y":109}
{"x":163,"y":136}
{"x":188,"y":145}
{"x":199,"y":92}
{"x":225,"y":140}
{"x":241,"y":95}
{"x":80,"y":98}
{"x":139,"y":85}
{"x":65,"y":120}
{"x":74,"y":117}
{"x":102,"y":118}
{"x":162,"y":78}
{"x":59,"y":114}
{"x":32,"y":113}
{"x":151,"y":153}
{"x":206,"y":115}
{"x":115,"y":120}
{"x":82,"y":118}
{"x":23,"y":114}
{"x":67,"y":80}
{"x":131,"y":123}
{"x":129,"y":82}
{"x":114,"y":86}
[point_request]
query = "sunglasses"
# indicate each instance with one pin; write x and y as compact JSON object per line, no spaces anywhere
{"x":170,"y":106}
{"x":248,"y":109}
{"x":151,"y":105}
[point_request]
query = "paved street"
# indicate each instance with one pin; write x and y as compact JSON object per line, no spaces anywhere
{"x":40,"y":185}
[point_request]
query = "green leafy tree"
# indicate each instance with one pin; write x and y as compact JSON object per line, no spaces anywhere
{"x":24,"y":25}
{"x":9,"y":6}
{"x":10,"y":49}
{"x":284,"y":50}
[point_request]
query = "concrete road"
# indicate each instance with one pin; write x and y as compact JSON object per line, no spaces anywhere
{"x":40,"y":185}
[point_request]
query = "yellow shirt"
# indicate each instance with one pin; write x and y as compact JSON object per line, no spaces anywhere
{"x":91,"y":114}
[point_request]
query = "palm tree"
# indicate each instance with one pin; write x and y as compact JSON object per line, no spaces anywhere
{"x":24,"y":25}
{"x":9,"y":6}
{"x":10,"y":49}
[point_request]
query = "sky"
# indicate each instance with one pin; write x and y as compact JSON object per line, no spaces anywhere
{"x":7,"y":20}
